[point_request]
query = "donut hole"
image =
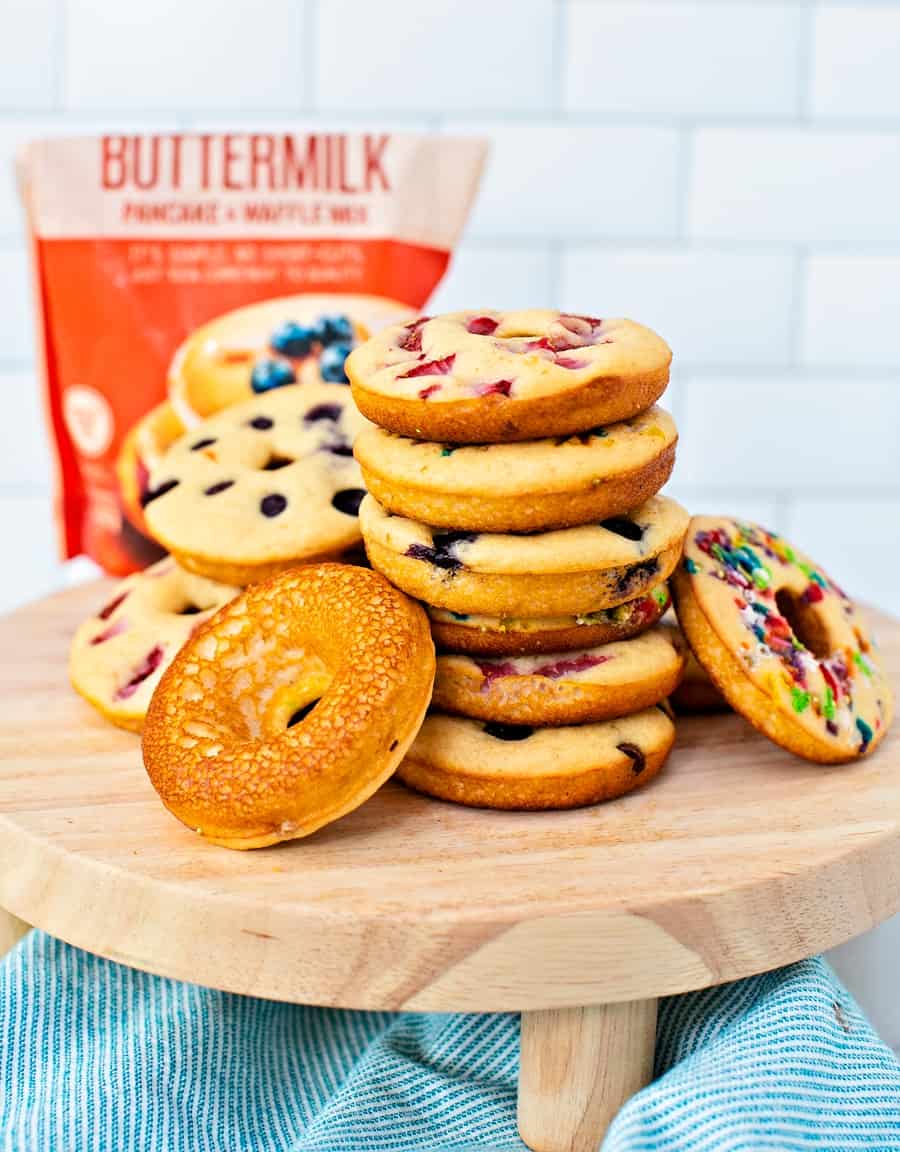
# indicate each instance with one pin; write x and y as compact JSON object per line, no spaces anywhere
{"x":806,"y":623}
{"x":304,"y":684}
{"x":181,"y":602}
{"x":623,"y":526}
{"x":275,"y":462}
{"x":302,"y":713}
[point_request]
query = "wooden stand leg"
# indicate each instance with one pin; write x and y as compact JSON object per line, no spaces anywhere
{"x":579,"y":1066}
{"x":12,"y":929}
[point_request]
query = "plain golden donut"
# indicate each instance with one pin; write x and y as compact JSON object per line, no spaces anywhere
{"x":291,"y":706}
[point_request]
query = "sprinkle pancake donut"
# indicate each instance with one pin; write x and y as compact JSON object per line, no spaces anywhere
{"x":578,"y":687}
{"x":118,"y":656}
{"x":262,"y":486}
{"x":288,"y":340}
{"x":513,"y":766}
{"x":567,"y":572}
{"x":531,"y":486}
{"x":781,"y":641}
{"x":522,"y":636}
{"x":495,"y":377}
{"x":290,"y":707}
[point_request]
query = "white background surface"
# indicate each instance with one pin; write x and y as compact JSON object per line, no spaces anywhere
{"x":727,"y":172}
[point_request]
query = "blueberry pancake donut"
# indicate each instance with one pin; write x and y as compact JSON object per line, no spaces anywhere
{"x":289,"y":340}
{"x":118,"y":656}
{"x":290,"y":707}
{"x":489,"y":765}
{"x":526,"y":487}
{"x":564,"y":573}
{"x":262,"y":486}
{"x":493,"y":377}
{"x":143,"y":447}
{"x":522,"y":635}
{"x":577,"y":687}
{"x":781,"y":641}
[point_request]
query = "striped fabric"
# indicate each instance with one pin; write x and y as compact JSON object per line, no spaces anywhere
{"x":95,"y":1057}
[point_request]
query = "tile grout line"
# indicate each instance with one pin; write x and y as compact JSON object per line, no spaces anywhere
{"x":843,"y":126}
{"x":799,"y":299}
{"x":805,"y":61}
{"x":683,"y":182}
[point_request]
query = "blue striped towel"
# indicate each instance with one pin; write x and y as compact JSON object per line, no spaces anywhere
{"x":95,"y":1057}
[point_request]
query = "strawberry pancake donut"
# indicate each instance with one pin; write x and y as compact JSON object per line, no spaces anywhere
{"x":142,"y":449}
{"x":118,"y":656}
{"x":522,"y":636}
{"x":781,"y":641}
{"x":493,"y":377}
{"x":288,"y":340}
{"x":576,"y":687}
{"x":291,"y":706}
{"x":515,"y":766}
{"x":263,"y":486}
{"x":527,"y":487}
{"x":564,"y":573}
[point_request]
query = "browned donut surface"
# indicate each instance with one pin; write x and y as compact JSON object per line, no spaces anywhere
{"x":291,"y":706}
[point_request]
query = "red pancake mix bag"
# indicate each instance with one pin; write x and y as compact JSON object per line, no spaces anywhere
{"x":178,"y":274}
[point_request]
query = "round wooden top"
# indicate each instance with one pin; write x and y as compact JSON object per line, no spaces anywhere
{"x":739,"y":858}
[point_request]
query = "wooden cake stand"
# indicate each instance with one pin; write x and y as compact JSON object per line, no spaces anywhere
{"x":739,"y":858}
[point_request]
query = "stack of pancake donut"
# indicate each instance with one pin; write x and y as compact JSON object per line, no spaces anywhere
{"x":513,"y":466}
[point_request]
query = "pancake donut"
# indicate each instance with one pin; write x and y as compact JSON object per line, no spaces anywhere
{"x":486,"y":765}
{"x":142,"y":449}
{"x":567,"y":572}
{"x":577,"y":687}
{"x":290,"y":707}
{"x":262,"y":486}
{"x":288,"y":340}
{"x":493,"y":377}
{"x":531,"y":486}
{"x":521,"y":636}
{"x":696,"y":693}
{"x":118,"y":656}
{"x":781,"y":641}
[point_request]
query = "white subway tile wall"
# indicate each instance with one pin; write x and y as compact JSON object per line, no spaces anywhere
{"x":727,"y":170}
{"x":673,"y":60}
{"x":549,"y":178}
{"x":444,"y":55}
{"x":29,"y":54}
{"x":168,"y":55}
{"x":854,"y":58}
